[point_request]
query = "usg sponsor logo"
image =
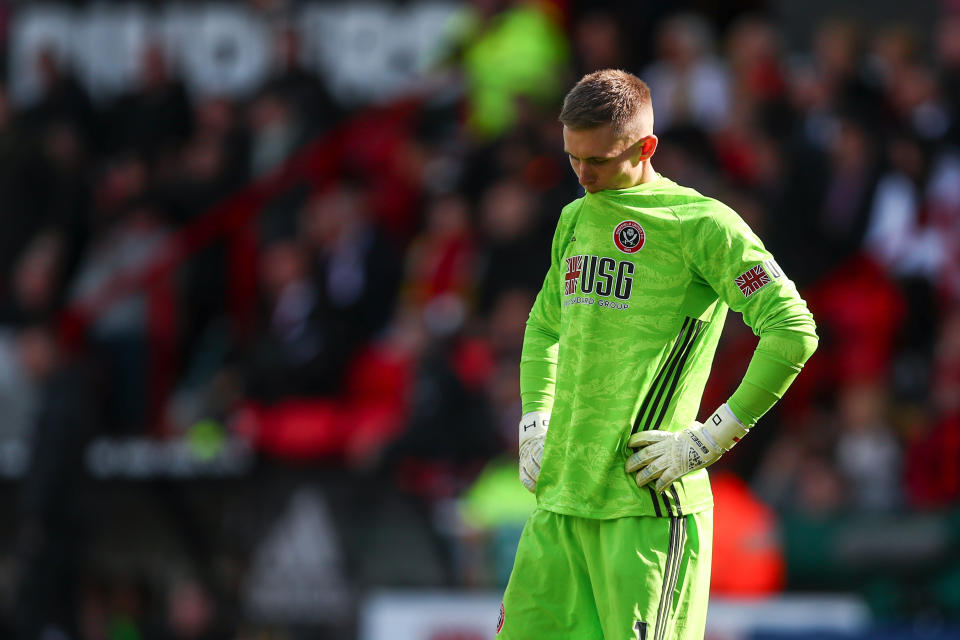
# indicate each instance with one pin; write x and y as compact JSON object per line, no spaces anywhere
{"x":600,"y":275}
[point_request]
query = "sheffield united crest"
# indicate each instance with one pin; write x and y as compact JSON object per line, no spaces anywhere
{"x":629,"y":236}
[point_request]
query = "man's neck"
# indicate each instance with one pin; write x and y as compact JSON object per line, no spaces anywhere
{"x":647,"y":174}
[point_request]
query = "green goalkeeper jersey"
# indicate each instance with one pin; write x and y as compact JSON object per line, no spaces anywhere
{"x":623,"y":333}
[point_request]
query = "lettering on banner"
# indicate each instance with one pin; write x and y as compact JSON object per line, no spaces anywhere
{"x":365,"y":51}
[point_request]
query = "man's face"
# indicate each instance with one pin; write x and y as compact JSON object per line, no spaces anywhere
{"x":601,"y":160}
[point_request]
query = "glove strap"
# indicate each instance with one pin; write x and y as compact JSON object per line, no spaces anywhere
{"x":724,"y":428}
{"x":533,"y":424}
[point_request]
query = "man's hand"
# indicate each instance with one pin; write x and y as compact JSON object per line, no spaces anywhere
{"x":533,"y":432}
{"x":665,"y":456}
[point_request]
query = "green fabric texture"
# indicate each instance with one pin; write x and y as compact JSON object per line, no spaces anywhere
{"x":538,"y":369}
{"x":622,"y":334}
{"x":765,"y":382}
{"x":597,"y":579}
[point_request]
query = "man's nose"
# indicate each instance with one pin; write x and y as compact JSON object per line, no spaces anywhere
{"x":585,"y":176}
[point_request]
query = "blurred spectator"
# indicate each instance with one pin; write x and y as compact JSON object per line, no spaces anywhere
{"x":838,"y":65}
{"x":155,"y":118}
{"x":448,"y":436}
{"x":32,"y":299}
{"x":51,"y":523}
{"x":825,"y":207}
{"x":323,"y":298}
{"x":915,"y":102}
{"x":492,"y":512}
{"x":860,"y":316}
{"x":36,"y":286}
{"x":797,"y":473}
{"x":897,"y":234}
{"x":120,"y":331}
{"x":688,"y":84}
{"x":18,"y":392}
{"x":512,"y":51}
{"x":868,"y":453}
{"x":298,"y":350}
{"x":209,"y":166}
{"x":849,"y":186}
{"x":45,"y":190}
{"x":906,"y":237}
{"x":379,"y":387}
{"x":598,"y":42}
{"x":61,"y":99}
{"x":942,"y":207}
{"x":298,"y":85}
{"x":747,"y":556}
{"x":946,"y":378}
{"x":441,"y":261}
{"x":517,"y":242}
{"x":754,"y":50}
{"x":932,"y":475}
{"x":211,"y":163}
{"x":276,"y":131}
{"x":947,"y":50}
{"x":356,"y":268}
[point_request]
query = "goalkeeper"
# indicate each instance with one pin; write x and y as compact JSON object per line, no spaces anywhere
{"x":616,"y":354}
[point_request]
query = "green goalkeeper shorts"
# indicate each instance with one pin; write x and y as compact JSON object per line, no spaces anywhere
{"x":638,"y":578}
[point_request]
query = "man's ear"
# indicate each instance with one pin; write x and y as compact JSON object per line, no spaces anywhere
{"x":646,"y":147}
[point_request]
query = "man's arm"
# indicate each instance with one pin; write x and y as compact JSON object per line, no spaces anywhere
{"x":538,"y":367}
{"x":538,"y":363}
{"x":786,"y":342}
{"x":731,"y":259}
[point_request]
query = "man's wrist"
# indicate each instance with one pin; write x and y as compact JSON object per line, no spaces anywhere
{"x":724,"y":428}
{"x":533,"y":424}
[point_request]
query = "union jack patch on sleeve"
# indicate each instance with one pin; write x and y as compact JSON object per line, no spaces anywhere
{"x":752,"y":280}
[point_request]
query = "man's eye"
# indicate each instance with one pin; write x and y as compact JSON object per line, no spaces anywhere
{"x":597,"y":161}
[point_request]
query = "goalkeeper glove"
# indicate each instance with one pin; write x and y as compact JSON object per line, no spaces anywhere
{"x":533,"y":432}
{"x":665,"y":455}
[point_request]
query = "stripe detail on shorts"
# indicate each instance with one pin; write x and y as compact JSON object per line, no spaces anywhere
{"x":671,"y":573}
{"x":677,"y":509}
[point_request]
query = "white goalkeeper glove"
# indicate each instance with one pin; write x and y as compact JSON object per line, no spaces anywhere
{"x":665,"y":455}
{"x":533,"y":432}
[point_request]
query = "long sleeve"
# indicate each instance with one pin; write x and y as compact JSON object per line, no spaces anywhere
{"x":733,"y":261}
{"x":538,"y":369}
{"x":785,"y":345}
{"x":538,"y":360}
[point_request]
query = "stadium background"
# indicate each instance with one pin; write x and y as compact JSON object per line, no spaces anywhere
{"x":264,"y":269}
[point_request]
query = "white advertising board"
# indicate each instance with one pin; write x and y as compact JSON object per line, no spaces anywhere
{"x":473,"y":616}
{"x":366,"y":51}
{"x":429,"y":616}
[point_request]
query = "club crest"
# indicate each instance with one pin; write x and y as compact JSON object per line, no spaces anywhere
{"x":629,"y":236}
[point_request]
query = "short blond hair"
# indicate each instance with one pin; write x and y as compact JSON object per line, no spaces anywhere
{"x":609,"y":96}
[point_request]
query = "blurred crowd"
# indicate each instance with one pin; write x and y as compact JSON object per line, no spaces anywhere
{"x":369,"y":320}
